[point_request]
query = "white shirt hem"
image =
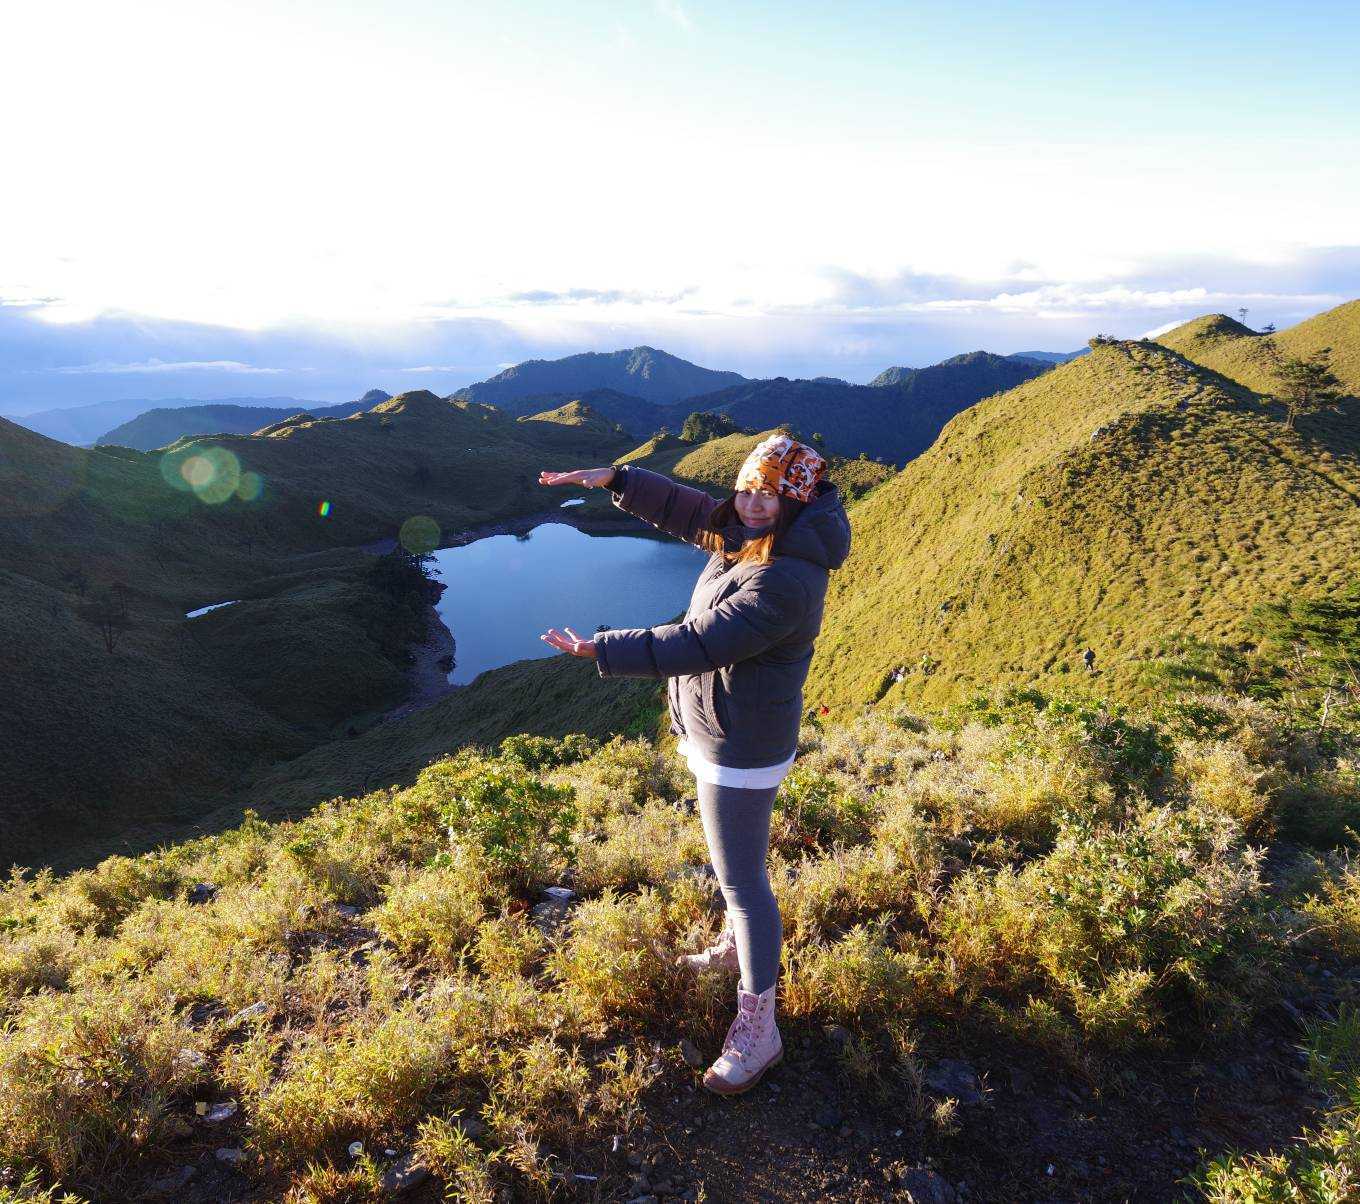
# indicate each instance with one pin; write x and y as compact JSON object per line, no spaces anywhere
{"x":760,"y":777}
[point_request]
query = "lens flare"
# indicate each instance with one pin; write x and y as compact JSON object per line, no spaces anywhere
{"x":419,"y":534}
{"x":172,"y":463}
{"x":324,"y":509}
{"x":251,"y":486}
{"x":212,"y":474}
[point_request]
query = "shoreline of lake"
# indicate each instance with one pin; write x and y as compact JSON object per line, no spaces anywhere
{"x":429,"y":682}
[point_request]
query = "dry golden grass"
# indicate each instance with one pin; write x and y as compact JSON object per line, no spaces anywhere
{"x":1068,"y":876}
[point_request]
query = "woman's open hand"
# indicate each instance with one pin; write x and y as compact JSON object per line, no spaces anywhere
{"x":591,"y":478}
{"x":569,"y":642}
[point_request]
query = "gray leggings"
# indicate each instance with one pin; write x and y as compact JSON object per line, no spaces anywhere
{"x":737,"y":826}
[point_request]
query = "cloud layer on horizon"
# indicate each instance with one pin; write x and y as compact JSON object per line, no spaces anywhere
{"x":839,"y":322}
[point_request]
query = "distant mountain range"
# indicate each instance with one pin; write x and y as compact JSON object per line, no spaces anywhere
{"x":894,"y":418}
{"x":896,"y":421}
{"x":82,"y":425}
{"x":162,"y":426}
{"x":1048,"y":357}
{"x":641,"y":388}
{"x":644,"y":372}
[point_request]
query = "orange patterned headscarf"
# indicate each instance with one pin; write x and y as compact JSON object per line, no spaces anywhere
{"x":784,"y":465}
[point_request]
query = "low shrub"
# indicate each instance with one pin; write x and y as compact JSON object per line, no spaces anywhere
{"x":812,"y":809}
{"x":1333,"y":910}
{"x":647,"y":846}
{"x":518,"y":820}
{"x":438,"y":910}
{"x":864,"y":978}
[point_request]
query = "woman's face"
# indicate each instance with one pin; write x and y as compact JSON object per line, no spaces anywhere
{"x":757,"y":507}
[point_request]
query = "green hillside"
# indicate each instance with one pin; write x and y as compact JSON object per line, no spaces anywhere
{"x":549,"y":696}
{"x":582,"y":415}
{"x":637,"y":416}
{"x":458,"y":463}
{"x":182,"y":712}
{"x":1226,"y":346}
{"x":1124,"y":496}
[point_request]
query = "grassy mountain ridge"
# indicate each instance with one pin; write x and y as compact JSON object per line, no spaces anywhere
{"x":1228,"y":347}
{"x":459,"y":463}
{"x":579,"y":414}
{"x":635,"y":414}
{"x":547,"y":696}
{"x":1121,"y":497}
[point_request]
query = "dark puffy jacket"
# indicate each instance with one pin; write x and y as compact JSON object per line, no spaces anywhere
{"x":736,"y":664}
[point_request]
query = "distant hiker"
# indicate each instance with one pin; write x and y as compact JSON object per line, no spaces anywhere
{"x":1088,"y":658}
{"x":928,"y":663}
{"x":734,"y":669}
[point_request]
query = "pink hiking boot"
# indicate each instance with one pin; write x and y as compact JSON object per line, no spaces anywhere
{"x":722,"y":956}
{"x":751,"y":1047}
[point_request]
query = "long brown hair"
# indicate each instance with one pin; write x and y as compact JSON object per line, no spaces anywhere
{"x":759,"y":550}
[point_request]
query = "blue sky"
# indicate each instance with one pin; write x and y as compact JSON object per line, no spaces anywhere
{"x":226,"y":199}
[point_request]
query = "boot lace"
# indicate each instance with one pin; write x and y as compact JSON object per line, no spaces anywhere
{"x":742,"y":1034}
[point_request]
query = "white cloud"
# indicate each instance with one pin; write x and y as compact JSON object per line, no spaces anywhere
{"x":1068,"y":301}
{"x":1157,"y":331}
{"x":155,"y":365}
{"x":675,"y":11}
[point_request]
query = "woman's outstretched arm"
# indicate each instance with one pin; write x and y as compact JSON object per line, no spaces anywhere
{"x":679,"y":510}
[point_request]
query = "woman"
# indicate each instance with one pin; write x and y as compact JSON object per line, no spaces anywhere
{"x":734,"y":670}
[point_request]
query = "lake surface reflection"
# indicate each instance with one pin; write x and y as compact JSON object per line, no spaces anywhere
{"x":506,"y":590}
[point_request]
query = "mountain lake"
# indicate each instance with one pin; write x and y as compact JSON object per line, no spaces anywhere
{"x":505,"y":591}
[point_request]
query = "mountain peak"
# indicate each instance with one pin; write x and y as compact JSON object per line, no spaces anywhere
{"x":646,"y":372}
{"x":1207,"y":328}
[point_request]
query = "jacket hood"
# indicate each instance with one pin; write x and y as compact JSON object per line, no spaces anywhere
{"x":820,"y":533}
